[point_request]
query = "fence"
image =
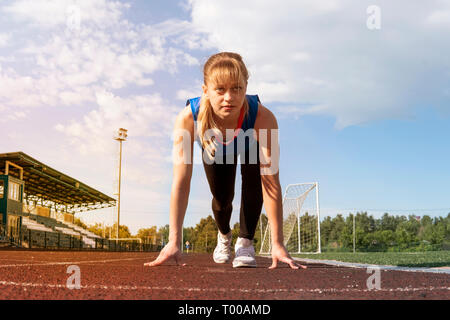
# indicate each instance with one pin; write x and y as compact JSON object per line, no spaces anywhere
{"x":58,"y":241}
{"x":3,"y":236}
{"x":124,"y":245}
{"x":22,"y":237}
{"x":14,"y":229}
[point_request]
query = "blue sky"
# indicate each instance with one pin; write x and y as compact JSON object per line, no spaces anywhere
{"x":363,"y":112}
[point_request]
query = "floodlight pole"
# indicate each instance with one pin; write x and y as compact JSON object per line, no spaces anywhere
{"x":298,"y":228}
{"x":354,"y":234}
{"x":318,"y":217}
{"x":118,"y":195}
{"x":122,"y":136}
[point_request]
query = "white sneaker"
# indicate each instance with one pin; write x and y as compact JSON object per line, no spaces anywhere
{"x":245,"y":253}
{"x":222,"y":252}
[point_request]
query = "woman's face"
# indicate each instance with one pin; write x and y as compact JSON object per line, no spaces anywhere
{"x":227,"y":99}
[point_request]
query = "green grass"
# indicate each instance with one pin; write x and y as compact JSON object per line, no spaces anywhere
{"x":401,"y":259}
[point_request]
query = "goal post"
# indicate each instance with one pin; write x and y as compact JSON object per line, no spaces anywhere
{"x":301,"y":220}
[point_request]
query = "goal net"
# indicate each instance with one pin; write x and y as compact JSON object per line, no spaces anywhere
{"x":301,"y":226}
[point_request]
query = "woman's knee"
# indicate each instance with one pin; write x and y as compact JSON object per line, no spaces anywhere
{"x":222,"y":203}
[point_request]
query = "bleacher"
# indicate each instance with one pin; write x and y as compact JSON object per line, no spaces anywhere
{"x":45,"y":232}
{"x":36,"y":231}
{"x":81,"y":230}
{"x":88,"y":237}
{"x":33,"y":225}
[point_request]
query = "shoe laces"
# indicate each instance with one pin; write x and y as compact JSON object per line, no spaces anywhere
{"x":245,"y":251}
{"x":224,"y":244}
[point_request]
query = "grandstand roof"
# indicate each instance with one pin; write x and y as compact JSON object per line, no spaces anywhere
{"x":49,"y":187}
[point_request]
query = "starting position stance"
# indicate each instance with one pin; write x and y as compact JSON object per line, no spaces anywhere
{"x":227,"y":123}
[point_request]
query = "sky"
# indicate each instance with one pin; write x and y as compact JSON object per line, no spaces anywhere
{"x":360,"y":90}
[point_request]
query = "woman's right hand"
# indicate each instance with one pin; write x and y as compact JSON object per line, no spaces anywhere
{"x":170,"y":251}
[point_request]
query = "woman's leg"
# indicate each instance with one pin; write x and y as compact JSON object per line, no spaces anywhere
{"x":221,"y":179}
{"x":251,"y":196}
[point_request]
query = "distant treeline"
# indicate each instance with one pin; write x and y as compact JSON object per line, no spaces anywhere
{"x":389,"y":233}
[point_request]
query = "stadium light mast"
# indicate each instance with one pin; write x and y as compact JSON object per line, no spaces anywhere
{"x":121,"y":136}
{"x":354,"y":233}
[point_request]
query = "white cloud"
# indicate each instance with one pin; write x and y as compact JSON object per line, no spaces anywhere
{"x":4,"y":39}
{"x":439,"y":17}
{"x":289,"y":111}
{"x":51,"y":13}
{"x":189,"y":92}
{"x":149,"y":120}
{"x":12,"y":116}
{"x":322,"y":53}
{"x":66,"y":68}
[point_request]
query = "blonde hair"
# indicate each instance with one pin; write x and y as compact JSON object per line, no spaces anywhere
{"x":222,"y":67}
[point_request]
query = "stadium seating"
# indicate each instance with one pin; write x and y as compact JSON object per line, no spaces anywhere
{"x":49,"y":233}
{"x":33,"y":225}
{"x":39,"y":231}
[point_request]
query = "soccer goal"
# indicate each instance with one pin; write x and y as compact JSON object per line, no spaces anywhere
{"x":301,"y":220}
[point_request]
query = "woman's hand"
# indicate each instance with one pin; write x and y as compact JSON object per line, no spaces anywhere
{"x":170,"y":251}
{"x":279,"y":253}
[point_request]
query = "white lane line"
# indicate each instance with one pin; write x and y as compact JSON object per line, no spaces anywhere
{"x":443,"y":270}
{"x":67,"y":262}
{"x":169,"y":288}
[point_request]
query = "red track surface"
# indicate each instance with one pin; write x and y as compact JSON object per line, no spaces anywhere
{"x":121,"y":275}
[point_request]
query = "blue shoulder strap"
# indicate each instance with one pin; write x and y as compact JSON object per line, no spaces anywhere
{"x":249,"y":121}
{"x":195,"y":106}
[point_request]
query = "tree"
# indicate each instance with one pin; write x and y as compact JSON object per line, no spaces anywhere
{"x":325,"y":230}
{"x":426,"y":221}
{"x":124,"y":232}
{"x":97,"y":229}
{"x":338,"y":224}
{"x":163,"y":234}
{"x":235,"y":232}
{"x":205,"y":231}
{"x":80,"y":223}
{"x":387,"y":238}
{"x":365,"y":222}
{"x":308,"y":234}
{"x":412,"y":225}
{"x":148,"y":235}
{"x":260,"y":231}
{"x":438,"y":234}
{"x":388,"y":222}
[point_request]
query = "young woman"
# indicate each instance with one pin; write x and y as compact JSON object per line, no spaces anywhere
{"x":228,"y":124}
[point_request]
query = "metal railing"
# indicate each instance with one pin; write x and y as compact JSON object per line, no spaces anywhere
{"x":33,"y":239}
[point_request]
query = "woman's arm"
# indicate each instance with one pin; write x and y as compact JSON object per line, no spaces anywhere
{"x":182,"y":173}
{"x":267,"y":131}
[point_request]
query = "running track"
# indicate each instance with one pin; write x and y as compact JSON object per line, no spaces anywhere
{"x":121,"y":275}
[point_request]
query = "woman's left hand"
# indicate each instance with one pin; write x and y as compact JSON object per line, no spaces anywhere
{"x":279,"y":253}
